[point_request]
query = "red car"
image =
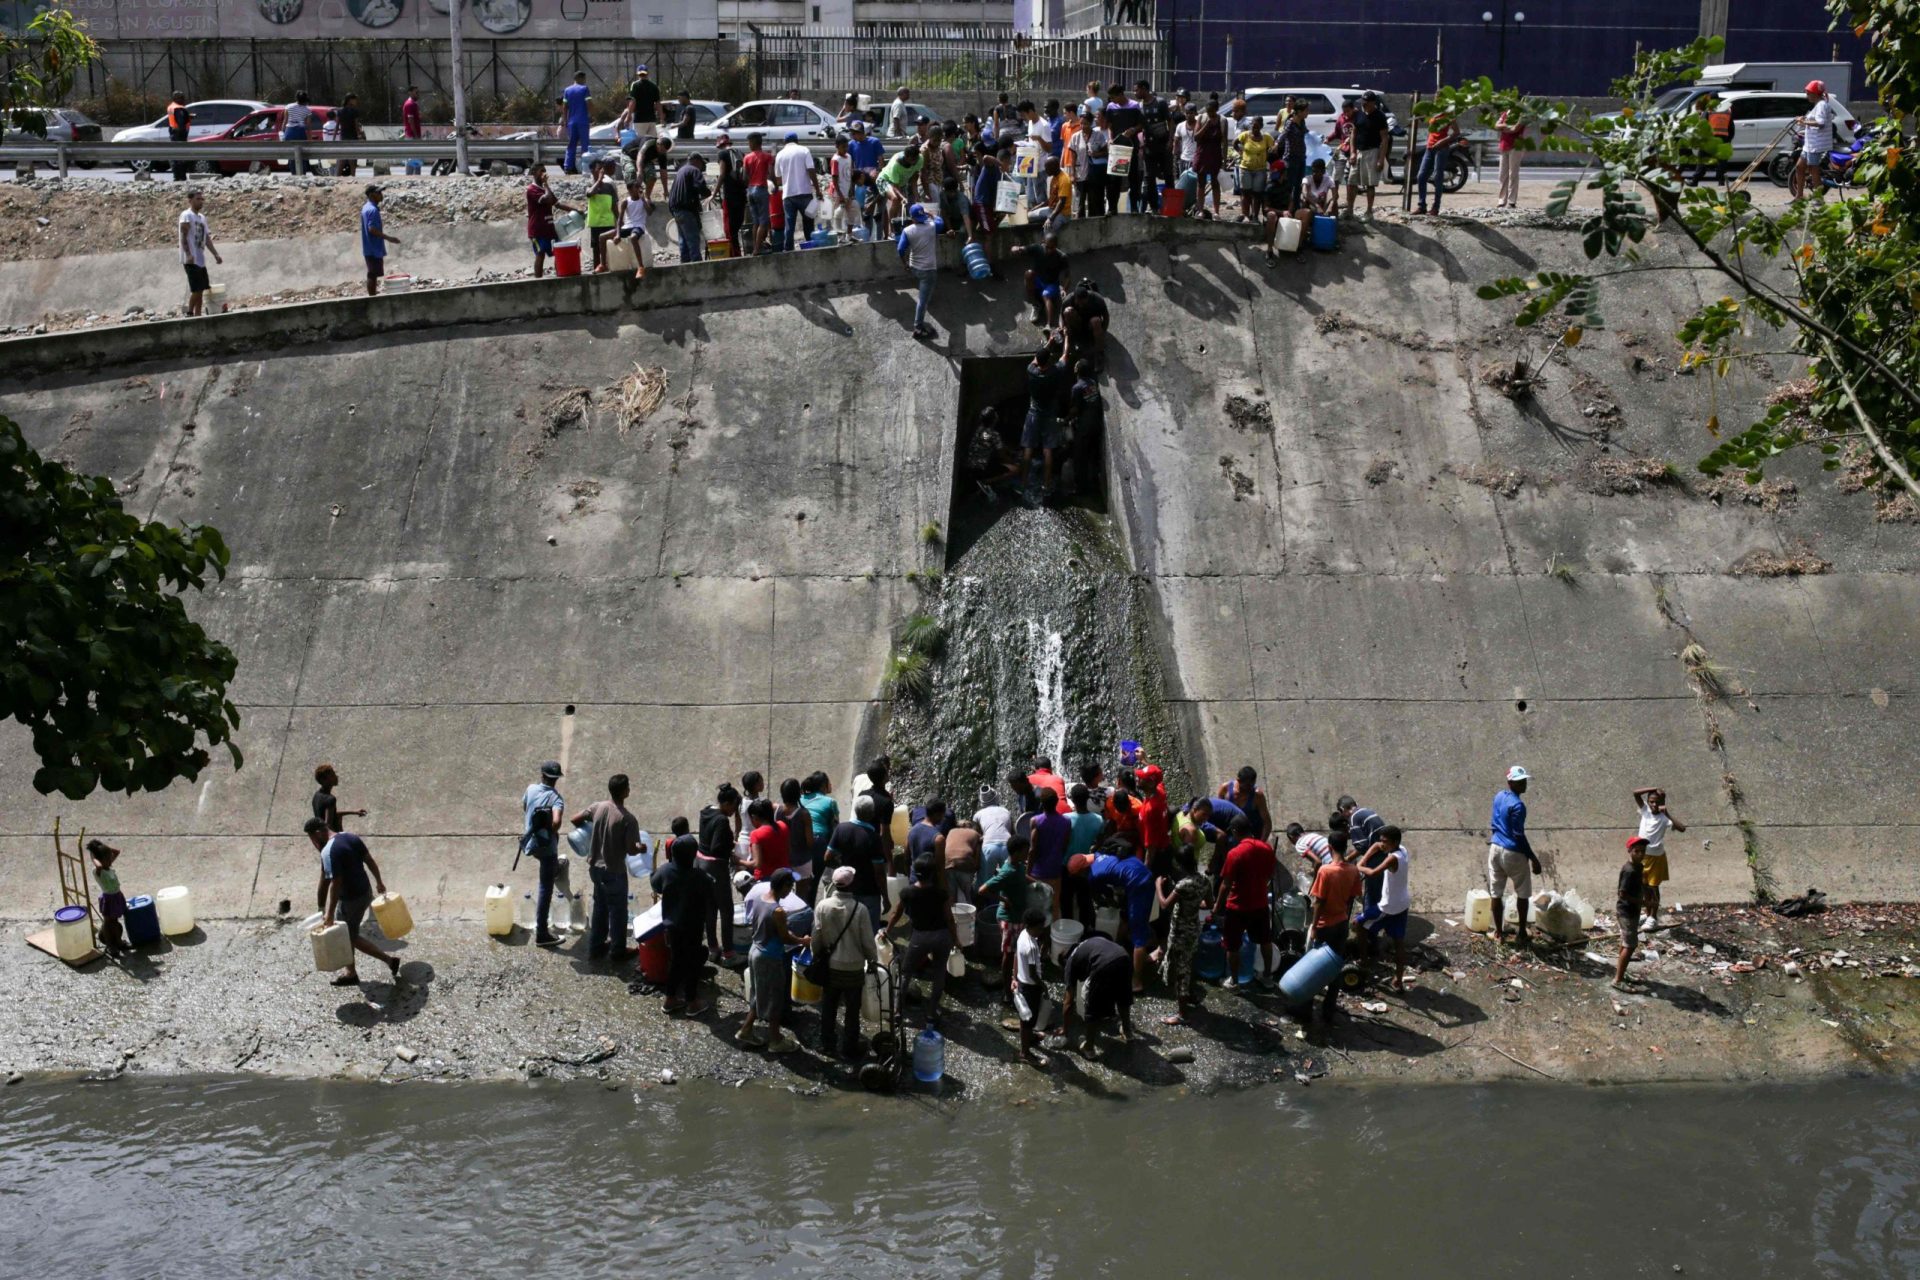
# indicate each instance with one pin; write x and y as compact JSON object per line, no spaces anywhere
{"x":261,"y":126}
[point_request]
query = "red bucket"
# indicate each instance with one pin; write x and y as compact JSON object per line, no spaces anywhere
{"x":654,"y":957}
{"x":566,"y":258}
{"x":1173,"y":202}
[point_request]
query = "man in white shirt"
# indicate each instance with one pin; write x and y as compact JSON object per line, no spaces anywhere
{"x":196,"y":242}
{"x":897,"y":122}
{"x":794,"y":168}
{"x":1039,"y":130}
{"x":919,"y":250}
{"x":1818,"y":122}
{"x":1655,"y":822}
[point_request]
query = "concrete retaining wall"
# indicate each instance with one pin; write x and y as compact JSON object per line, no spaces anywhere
{"x":443,"y":577}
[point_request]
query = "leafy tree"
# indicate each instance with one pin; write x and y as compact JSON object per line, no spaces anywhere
{"x":97,"y":655}
{"x":1839,"y":273}
{"x":39,"y":66}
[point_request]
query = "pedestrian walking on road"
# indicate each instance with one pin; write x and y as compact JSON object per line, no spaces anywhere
{"x":373,"y":240}
{"x":196,"y":242}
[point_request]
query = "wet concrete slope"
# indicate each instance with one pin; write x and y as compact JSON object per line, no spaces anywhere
{"x":1383,"y":576}
{"x":1378,"y":573}
{"x":446,"y":570}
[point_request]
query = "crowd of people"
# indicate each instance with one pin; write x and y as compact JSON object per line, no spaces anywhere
{"x":1140,"y":873}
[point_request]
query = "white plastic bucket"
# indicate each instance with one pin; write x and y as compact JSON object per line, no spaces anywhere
{"x":397,"y":284}
{"x":1065,"y":936}
{"x":963,"y":919}
{"x":216,"y":298}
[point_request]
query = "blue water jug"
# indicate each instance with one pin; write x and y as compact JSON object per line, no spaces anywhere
{"x":1305,"y":980}
{"x":976,"y":255}
{"x":1189,"y":182}
{"x":1326,"y":232}
{"x":929,"y":1056}
{"x":143,"y":921}
{"x":1210,"y":959}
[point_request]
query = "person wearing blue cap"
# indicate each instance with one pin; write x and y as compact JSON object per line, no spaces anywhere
{"x":794,"y":168}
{"x":542,"y":808}
{"x":643,"y":102}
{"x":918,"y":250}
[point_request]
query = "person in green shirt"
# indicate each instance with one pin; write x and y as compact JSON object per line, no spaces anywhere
{"x":896,"y":181}
{"x":602,"y":220}
{"x":1017,"y":891}
{"x":113,"y":903}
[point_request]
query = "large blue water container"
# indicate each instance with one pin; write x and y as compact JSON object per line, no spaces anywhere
{"x":1210,"y":958}
{"x":976,"y":255}
{"x":1326,"y":233}
{"x":929,"y":1056}
{"x":1310,"y":974}
{"x":143,"y":921}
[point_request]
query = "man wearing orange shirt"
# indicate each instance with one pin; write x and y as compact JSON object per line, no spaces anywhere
{"x":1335,"y":886}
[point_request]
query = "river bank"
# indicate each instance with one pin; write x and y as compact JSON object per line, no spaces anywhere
{"x":1728,"y":993}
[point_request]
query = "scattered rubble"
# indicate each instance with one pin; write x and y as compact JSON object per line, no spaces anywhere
{"x":1773,"y":564}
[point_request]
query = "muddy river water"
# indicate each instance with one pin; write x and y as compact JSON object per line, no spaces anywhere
{"x":261,"y":1178}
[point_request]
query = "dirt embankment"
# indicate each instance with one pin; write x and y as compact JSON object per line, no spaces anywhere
{"x":1725,"y":993}
{"x":52,"y":219}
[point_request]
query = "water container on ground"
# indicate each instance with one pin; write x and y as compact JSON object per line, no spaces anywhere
{"x":1210,"y":958}
{"x":963,"y":920}
{"x":72,"y":936}
{"x":799,"y":989}
{"x":175,"y":905}
{"x":390,"y":910}
{"x":566,"y":258}
{"x":1479,"y":911}
{"x":956,"y":964}
{"x":719,"y":248}
{"x":978,"y":265}
{"x":1310,"y":974}
{"x":1107,"y":920}
{"x":524,"y":911}
{"x":1286,"y":238}
{"x":143,"y":921}
{"x":332,"y":948}
{"x":929,"y":1056}
{"x":499,"y":911}
{"x":1173,"y":202}
{"x":401,"y":283}
{"x":216,"y":299}
{"x":1326,"y":232}
{"x":1293,"y":913}
{"x":896,"y":885}
{"x":1065,"y":936}
{"x":656,"y":958}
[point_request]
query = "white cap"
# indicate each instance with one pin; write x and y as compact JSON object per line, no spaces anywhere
{"x":1517,"y":774}
{"x":743,"y":880}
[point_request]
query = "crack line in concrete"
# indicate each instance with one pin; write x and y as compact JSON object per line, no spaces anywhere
{"x":426,"y":446}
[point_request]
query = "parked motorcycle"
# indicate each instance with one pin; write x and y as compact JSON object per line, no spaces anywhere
{"x":1841,"y":162}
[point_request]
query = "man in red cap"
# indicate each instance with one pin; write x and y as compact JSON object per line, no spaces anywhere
{"x":1626,"y":904}
{"x":1817,"y":141}
{"x":1156,"y":832}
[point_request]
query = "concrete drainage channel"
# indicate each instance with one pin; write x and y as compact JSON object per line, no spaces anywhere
{"x":1033,"y":637}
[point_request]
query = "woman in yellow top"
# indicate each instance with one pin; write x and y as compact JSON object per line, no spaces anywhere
{"x":1255,"y":148}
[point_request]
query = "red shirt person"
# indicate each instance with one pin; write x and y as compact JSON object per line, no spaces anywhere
{"x":1246,"y":879}
{"x":768,"y":841}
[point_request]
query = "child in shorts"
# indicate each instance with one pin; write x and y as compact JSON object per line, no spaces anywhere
{"x":1029,"y":981}
{"x":633,"y":226}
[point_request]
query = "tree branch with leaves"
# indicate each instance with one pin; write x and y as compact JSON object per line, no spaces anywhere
{"x":98,"y":659}
{"x":1839,"y":276}
{"x":39,"y":66}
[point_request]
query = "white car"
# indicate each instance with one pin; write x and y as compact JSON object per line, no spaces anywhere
{"x":1323,"y":104}
{"x":774,"y":118}
{"x":216,"y":115}
{"x":705,"y":112}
